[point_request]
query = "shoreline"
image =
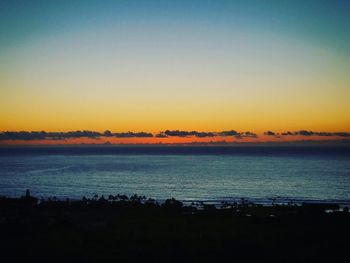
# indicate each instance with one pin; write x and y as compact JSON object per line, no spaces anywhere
{"x":218,"y":202}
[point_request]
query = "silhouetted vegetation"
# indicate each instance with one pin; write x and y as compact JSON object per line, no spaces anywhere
{"x":136,"y":229}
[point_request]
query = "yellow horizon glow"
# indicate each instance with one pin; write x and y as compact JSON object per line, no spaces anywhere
{"x":88,"y":82}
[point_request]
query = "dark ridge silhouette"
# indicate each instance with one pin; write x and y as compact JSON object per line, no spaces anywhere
{"x":139,"y":229}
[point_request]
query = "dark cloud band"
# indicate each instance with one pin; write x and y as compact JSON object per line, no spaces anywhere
{"x":43,"y":135}
{"x":308,"y":133}
{"x":177,"y":133}
{"x":232,"y":133}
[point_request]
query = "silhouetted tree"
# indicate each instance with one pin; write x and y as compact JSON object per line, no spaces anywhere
{"x":172,"y":204}
{"x":28,"y":199}
{"x":102,"y":199}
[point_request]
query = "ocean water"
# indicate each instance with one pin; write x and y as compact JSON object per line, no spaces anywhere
{"x":186,"y":173}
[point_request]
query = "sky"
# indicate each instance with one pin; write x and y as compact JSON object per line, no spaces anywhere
{"x":152,"y":66}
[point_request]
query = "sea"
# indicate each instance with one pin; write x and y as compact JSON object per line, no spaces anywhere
{"x":213,"y":174}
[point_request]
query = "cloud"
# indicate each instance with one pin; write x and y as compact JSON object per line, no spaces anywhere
{"x":287,"y":133}
{"x":237,"y":135}
{"x":129,"y":134}
{"x":305,"y":133}
{"x":107,"y":133}
{"x":314,"y":133}
{"x":203,"y":134}
{"x":342,"y":134}
{"x":228,"y":133}
{"x":133,"y":135}
{"x":270,"y":133}
{"x":43,"y":135}
{"x":179,"y":133}
{"x":78,"y":134}
{"x":176,"y":133}
{"x":22,"y":135}
{"x":247,"y":134}
{"x":161,"y":135}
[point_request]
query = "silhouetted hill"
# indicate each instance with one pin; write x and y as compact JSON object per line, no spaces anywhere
{"x":137,"y":229}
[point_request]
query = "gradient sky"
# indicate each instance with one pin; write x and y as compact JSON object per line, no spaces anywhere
{"x":189,"y":65}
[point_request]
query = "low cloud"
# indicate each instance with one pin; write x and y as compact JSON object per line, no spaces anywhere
{"x":161,"y":135}
{"x":286,"y":133}
{"x":128,"y":134}
{"x":133,"y":135}
{"x":108,"y":133}
{"x":270,"y":133}
{"x":43,"y":135}
{"x":247,"y":134}
{"x":178,"y":133}
{"x":228,"y":133}
{"x":314,"y":133}
{"x":23,"y":135}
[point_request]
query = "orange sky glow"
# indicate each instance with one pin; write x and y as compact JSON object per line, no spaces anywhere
{"x":171,"y":140}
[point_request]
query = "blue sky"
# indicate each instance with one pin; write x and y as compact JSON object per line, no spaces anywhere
{"x":156,"y":65}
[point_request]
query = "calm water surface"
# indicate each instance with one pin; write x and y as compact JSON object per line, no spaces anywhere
{"x":191,"y":174}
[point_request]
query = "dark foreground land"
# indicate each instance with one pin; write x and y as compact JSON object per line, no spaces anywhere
{"x":139,"y":230}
